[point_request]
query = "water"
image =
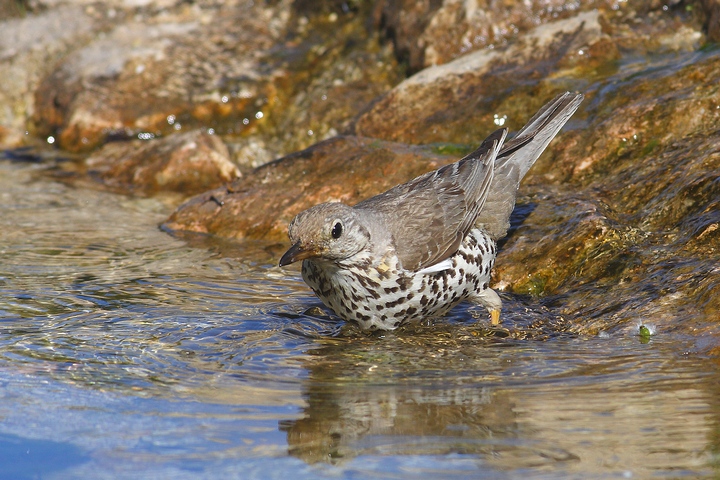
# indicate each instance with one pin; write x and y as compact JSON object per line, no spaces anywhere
{"x":127,"y":353}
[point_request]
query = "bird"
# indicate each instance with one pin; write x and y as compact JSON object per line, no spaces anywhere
{"x":420,"y":248}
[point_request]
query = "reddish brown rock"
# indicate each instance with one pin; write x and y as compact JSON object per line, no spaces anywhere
{"x":158,"y":77}
{"x":641,"y":120}
{"x":187,"y":163}
{"x":29,"y":47}
{"x":261,"y":204}
{"x":268,"y":80}
{"x":427,"y":33}
{"x":457,"y":101}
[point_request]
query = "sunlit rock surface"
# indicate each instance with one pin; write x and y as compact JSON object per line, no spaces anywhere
{"x":29,"y":47}
{"x":432,"y":33}
{"x":189,"y":162}
{"x":268,"y":78}
{"x":462,"y":100}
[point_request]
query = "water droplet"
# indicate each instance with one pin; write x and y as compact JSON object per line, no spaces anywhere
{"x":259,"y":115}
{"x":171,"y":119}
{"x":310,"y":133}
{"x":581,"y":52}
{"x":50,"y":139}
{"x":211,"y":131}
{"x":224,"y":99}
{"x":246,"y":121}
{"x":177,"y":126}
{"x":498,"y":120}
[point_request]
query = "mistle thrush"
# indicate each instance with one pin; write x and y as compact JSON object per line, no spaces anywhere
{"x":420,"y":248}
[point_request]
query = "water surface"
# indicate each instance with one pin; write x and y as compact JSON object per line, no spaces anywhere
{"x":127,"y":353}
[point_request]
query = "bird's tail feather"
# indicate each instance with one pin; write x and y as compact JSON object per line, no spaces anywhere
{"x":517,"y":156}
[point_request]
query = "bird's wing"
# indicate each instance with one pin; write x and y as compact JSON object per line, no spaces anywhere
{"x":428,"y":217}
{"x":516,"y":158}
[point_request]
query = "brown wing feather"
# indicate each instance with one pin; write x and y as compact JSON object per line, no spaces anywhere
{"x":429,"y":216}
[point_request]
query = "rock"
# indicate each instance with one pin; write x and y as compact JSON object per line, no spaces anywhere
{"x":712,"y":23}
{"x":404,"y":23}
{"x":634,"y":211}
{"x":432,"y":33}
{"x":641,"y":120}
{"x":455,"y":101}
{"x":261,"y":204}
{"x":269,"y":81}
{"x":435,"y":33}
{"x":617,"y":221}
{"x":188,"y":163}
{"x":29,"y":47}
{"x":151,"y":77}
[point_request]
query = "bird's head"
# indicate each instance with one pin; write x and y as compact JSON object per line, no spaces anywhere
{"x":329,"y":231}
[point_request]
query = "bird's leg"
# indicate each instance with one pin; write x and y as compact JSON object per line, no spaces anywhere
{"x":489,"y":299}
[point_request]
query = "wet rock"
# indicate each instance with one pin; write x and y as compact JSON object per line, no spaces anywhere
{"x":268,"y":80}
{"x":455,"y":101}
{"x":634,"y":210}
{"x":150,"y":76}
{"x":261,"y":204}
{"x":434,"y":33}
{"x":618,"y":221}
{"x":404,"y":22}
{"x":639,"y":119}
{"x":11,"y":9}
{"x":427,"y":33}
{"x":337,"y":69}
{"x":29,"y":47}
{"x":187,"y":163}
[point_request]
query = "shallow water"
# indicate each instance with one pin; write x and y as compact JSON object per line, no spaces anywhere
{"x":127,"y":353}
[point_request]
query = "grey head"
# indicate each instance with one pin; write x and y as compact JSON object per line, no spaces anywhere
{"x":332,"y":231}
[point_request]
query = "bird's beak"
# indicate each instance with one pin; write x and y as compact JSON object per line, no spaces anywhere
{"x":295,"y":253}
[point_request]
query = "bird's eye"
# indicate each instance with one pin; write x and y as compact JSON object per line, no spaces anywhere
{"x":337,"y":230}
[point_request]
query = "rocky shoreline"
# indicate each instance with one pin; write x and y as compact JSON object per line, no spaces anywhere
{"x":254,"y":111}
